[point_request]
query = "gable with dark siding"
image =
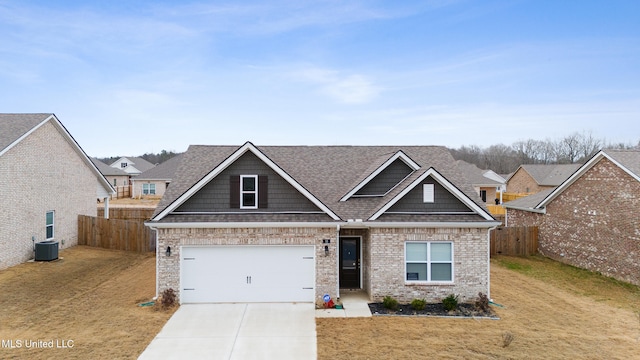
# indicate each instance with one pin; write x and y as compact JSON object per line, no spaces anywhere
{"x":216,"y":195}
{"x":391,"y":176}
{"x":444,"y":201}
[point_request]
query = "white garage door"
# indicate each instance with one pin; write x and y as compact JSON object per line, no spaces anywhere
{"x":247,"y":274}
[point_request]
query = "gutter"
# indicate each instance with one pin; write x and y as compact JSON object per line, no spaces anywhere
{"x":224,"y":225}
{"x":347,"y":224}
{"x":539,"y":211}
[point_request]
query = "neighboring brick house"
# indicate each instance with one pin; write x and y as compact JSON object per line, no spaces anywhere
{"x":155,"y":181}
{"x":132,"y":165}
{"x":46,"y":181}
{"x":487,"y":184}
{"x":115,"y":176}
{"x":293,"y":223}
{"x":535,"y":178}
{"x":592,"y":220}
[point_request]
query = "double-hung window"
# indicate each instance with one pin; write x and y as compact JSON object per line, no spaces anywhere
{"x":50,"y":225}
{"x":249,"y":191}
{"x":148,"y":189}
{"x":429,"y":261}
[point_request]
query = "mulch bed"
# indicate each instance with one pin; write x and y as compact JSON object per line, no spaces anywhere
{"x":463,"y":310}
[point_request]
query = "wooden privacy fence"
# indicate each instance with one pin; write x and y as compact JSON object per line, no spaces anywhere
{"x":122,"y":192}
{"x":513,"y":196}
{"x":116,"y":234}
{"x":138,"y":214}
{"x":496,"y":209}
{"x":514,"y":240}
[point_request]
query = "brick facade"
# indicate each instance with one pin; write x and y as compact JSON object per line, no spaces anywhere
{"x":387,"y":264}
{"x":593,"y":224}
{"x":169,"y":267}
{"x":383,"y":267}
{"x":39,"y":174}
{"x":521,"y":182}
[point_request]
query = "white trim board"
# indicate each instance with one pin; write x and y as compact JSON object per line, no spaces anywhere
{"x":230,"y":160}
{"x":442,"y":181}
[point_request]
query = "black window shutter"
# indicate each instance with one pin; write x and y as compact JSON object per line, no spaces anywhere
{"x":234,"y":192}
{"x":263,"y":193}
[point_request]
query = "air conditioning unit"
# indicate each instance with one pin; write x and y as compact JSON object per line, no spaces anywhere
{"x":46,"y":251}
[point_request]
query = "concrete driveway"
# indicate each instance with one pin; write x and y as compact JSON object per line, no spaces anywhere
{"x":237,"y":331}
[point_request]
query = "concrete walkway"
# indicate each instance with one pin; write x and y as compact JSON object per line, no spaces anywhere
{"x":237,"y":331}
{"x":355,"y":304}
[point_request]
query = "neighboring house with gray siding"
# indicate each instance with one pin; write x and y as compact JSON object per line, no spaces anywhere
{"x":46,"y":181}
{"x":155,"y":181}
{"x":592,"y":220}
{"x":293,"y":223}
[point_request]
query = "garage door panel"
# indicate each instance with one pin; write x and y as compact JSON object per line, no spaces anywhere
{"x":248,"y":274}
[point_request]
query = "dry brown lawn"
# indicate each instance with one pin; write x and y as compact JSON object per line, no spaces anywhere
{"x":552,"y":311}
{"x":146,"y":202}
{"x":90,"y":297}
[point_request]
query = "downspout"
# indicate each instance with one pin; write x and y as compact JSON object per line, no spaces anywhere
{"x":337,"y":261}
{"x":488,"y":263}
{"x":155,"y":230}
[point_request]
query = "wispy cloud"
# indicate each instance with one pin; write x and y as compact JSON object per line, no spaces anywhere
{"x":84,"y":29}
{"x":344,"y":88}
{"x":274,"y":17}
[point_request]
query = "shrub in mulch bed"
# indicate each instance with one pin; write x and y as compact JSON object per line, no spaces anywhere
{"x":462,"y":310}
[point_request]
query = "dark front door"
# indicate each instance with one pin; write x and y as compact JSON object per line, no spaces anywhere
{"x":350,"y":263}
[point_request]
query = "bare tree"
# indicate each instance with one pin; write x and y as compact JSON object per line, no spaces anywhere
{"x":576,"y":147}
{"x":588,"y":146}
{"x":567,"y":149}
{"x":500,"y":158}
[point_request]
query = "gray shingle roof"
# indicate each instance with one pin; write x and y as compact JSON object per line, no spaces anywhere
{"x":163,"y":171}
{"x":107,"y":170}
{"x":475,"y":175}
{"x":630,"y":159}
{"x":550,"y":175}
{"x":529,"y":202}
{"x":327,"y":172}
{"x":13,"y":126}
{"x":137,"y":162}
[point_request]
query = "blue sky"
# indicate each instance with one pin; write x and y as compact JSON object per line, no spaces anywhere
{"x":129,"y":77}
